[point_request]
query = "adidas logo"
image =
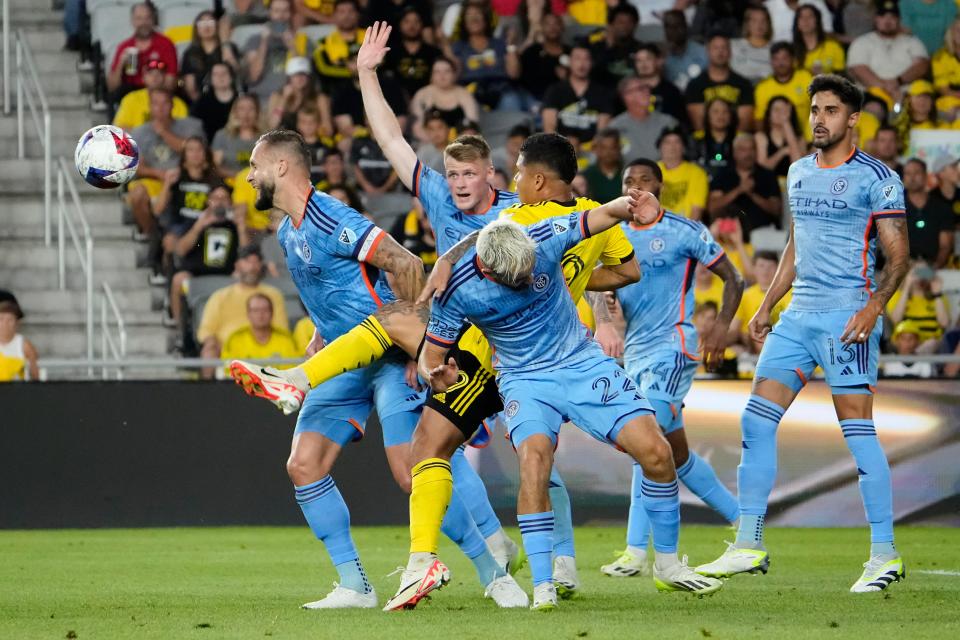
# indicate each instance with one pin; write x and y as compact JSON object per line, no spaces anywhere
{"x":655,"y":386}
{"x":847,"y":371}
{"x":796,"y":185}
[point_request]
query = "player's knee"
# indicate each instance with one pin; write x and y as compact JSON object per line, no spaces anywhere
{"x":403,"y":480}
{"x":302,"y":470}
{"x":536,"y":457}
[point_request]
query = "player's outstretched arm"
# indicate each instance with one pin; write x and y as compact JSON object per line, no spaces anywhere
{"x":435,"y":367}
{"x":640,"y":206}
{"x":405,"y":323}
{"x":383,"y":122}
{"x":713,"y":344}
{"x":404,"y":270}
{"x":760,"y":325}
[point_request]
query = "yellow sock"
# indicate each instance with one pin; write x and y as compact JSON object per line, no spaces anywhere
{"x":357,"y":348}
{"x":429,"y":498}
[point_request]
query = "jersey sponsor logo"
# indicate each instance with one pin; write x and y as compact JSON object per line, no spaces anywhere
{"x":560,"y":227}
{"x":839,"y":186}
{"x":348,"y":236}
{"x":889,"y":191}
{"x":541,"y":281}
{"x":305,"y":251}
{"x":511,"y":409}
{"x":657,"y":245}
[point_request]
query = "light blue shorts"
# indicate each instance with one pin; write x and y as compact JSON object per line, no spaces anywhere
{"x":664,"y":376}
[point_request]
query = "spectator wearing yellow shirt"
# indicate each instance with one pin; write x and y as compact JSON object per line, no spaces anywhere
{"x":134,"y":109}
{"x":920,"y":300}
{"x":335,"y":55}
{"x":818,"y":52}
{"x":946,"y":73}
{"x":252,"y":223}
{"x":685,"y":187}
{"x":764,"y":267}
{"x":787,"y":81}
{"x":303,"y":333}
{"x":259,"y":340}
{"x":706,"y":287}
{"x":312,"y":12}
{"x":919,"y":113}
{"x":18,"y":356}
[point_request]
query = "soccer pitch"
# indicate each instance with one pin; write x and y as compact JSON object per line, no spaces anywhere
{"x":248,"y":582}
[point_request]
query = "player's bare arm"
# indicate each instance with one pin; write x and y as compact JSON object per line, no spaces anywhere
{"x":713,"y":343}
{"x":440,"y":275}
{"x":439,"y":370}
{"x":892,"y":233}
{"x":609,"y":277}
{"x":640,"y":206}
{"x":606,"y":334}
{"x":405,"y":322}
{"x":405,"y":270}
{"x":760,"y":325}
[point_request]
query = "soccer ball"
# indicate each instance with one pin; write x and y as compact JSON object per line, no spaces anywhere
{"x":107,"y":157}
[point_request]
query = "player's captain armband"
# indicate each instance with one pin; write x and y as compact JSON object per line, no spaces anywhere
{"x":364,"y":246}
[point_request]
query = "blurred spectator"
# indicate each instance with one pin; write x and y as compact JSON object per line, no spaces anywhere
{"x":233,"y":144}
{"x":886,"y":148}
{"x":714,"y":144}
{"x":685,"y":59}
{"x":920,"y":300}
{"x":308,"y":126}
{"x":248,"y":11}
{"x":303,"y":333}
{"x":226,"y":310}
{"x":750,"y":55}
{"x":928,"y":20}
{"x":814,"y":49}
{"x":857,"y":18}
{"x":210,"y":45}
{"x":18,"y":356}
{"x":73,"y":24}
{"x":728,"y":233}
{"x":252,"y":223}
{"x":542,"y":63}
{"x":136,"y":52}
{"x":505,"y":158}
{"x":416,"y":235}
{"x":371,"y":169}
{"x":442,"y":95}
{"x":335,"y":57}
{"x":334,"y":170}
{"x":298,"y":90}
{"x":394,"y":11}
{"x":260,"y":339}
{"x":919,"y":112}
{"x":349,"y":197}
{"x":947,"y":171}
{"x":410,"y":59}
{"x":312,"y":12}
{"x":134,"y":109}
{"x":946,"y":73}
{"x":577,"y":106}
{"x":764,"y":268}
{"x":579,"y":186}
{"x":603,"y":176}
{"x":788,"y":82}
{"x":746,"y":189}
{"x":783,"y":15}
{"x":486,"y":63}
{"x":500,"y":181}
{"x":887,"y":58}
{"x":216,"y":99}
{"x":207,"y":246}
{"x":718,"y":81}
{"x":521,"y":21}
{"x":930,"y":221}
{"x":348,"y":111}
{"x":265,"y":54}
{"x":684,"y":189}
{"x":707,"y":288}
{"x":780,"y":141}
{"x":437,"y":131}
{"x":704,"y":320}
{"x":639,"y":125}
{"x":666,"y":97}
{"x":873,"y":114}
{"x":613,"y":49}
{"x":906,"y":340}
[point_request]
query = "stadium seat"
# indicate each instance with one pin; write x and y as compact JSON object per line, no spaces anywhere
{"x":242,"y":33}
{"x":496,"y":125}
{"x":768,"y":239}
{"x":385,"y":207}
{"x":109,"y":24}
{"x":316,"y":32}
{"x":183,"y":13}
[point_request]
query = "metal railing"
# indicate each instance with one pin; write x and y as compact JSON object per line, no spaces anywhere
{"x":30,"y":93}
{"x":6,"y":57}
{"x":110,"y":346}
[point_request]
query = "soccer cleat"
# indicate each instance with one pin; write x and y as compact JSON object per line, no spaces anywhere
{"x":680,"y":577}
{"x":507,"y":593}
{"x":512,"y":557}
{"x":736,"y":560}
{"x":279,"y":386}
{"x":544,"y":597}
{"x":343,"y":598}
{"x":626,"y":566}
{"x":879,"y":573}
{"x":565,"y":576}
{"x":416,"y":584}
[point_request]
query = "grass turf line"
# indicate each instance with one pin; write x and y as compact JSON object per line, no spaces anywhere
{"x":249,"y":582}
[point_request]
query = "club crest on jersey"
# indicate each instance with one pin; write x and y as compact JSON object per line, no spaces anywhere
{"x":560,"y":227}
{"x":541,"y":281}
{"x":348,"y":236}
{"x":657,"y":245}
{"x":889,"y":191}
{"x":305,"y":251}
{"x":839,"y":186}
{"x":511,"y":409}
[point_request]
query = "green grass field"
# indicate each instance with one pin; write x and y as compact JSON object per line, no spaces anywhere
{"x":249,"y":583}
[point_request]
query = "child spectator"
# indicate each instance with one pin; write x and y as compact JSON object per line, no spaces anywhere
{"x":18,"y":356}
{"x":437,"y":131}
{"x":764,"y":268}
{"x":920,"y":300}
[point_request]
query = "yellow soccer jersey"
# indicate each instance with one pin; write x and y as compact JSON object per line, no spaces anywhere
{"x":827,"y":57}
{"x":684,"y":187}
{"x":242,"y":345}
{"x":795,"y":90}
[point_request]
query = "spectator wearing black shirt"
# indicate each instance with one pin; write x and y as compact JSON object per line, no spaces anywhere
{"x":542,"y":63}
{"x":410,"y":59}
{"x":577,"y":106}
{"x":947,"y":170}
{"x":780,"y":143}
{"x":416,"y":235}
{"x":308,"y":126}
{"x":210,"y":45}
{"x":371,"y":169}
{"x":334,"y":171}
{"x":719,"y":81}
{"x":666,"y":97}
{"x":216,"y":99}
{"x":930,"y":223}
{"x":715,"y":147}
{"x":347,"y":104}
{"x":746,"y":189}
{"x":613,"y":52}
{"x":393,"y":13}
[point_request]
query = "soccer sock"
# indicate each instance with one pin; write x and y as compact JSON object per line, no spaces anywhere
{"x":328,"y":517}
{"x":432,"y":487}
{"x":536,"y":529}
{"x":758,"y":467}
{"x":563,"y":517}
{"x":357,"y":348}
{"x":474,"y":494}
{"x":459,"y":526}
{"x":698,"y":476}
{"x":861,"y":438}
{"x":638,"y":524}
{"x":661,"y":500}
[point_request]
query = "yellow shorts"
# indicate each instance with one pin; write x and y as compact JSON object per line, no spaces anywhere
{"x":153,"y":186}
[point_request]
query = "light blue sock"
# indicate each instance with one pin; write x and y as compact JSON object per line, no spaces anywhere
{"x":758,"y":466}
{"x":536,"y":529}
{"x":662,"y":503}
{"x":459,"y":526}
{"x":563,"y":517}
{"x":698,"y":476}
{"x":329,"y":519}
{"x":875,"y":488}
{"x":474,"y":494}
{"x":638,"y":524}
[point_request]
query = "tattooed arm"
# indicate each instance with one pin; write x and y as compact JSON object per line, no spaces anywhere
{"x":405,"y":270}
{"x":405,"y":323}
{"x":606,"y":334}
{"x":440,"y":275}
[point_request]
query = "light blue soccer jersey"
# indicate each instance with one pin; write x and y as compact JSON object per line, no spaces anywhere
{"x":834,"y":212}
{"x":326,"y":256}
{"x":449,"y":223}
{"x":533,"y":328}
{"x":659,"y":308}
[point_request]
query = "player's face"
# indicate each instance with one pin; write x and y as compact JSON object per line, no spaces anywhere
{"x":261,"y":177}
{"x":469,"y":182}
{"x":528,"y":181}
{"x":640,"y":177}
{"x":831,"y":120}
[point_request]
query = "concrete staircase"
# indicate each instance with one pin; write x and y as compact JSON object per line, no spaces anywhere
{"x":56,"y":320}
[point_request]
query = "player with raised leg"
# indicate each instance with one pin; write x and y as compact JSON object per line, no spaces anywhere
{"x":843,"y":201}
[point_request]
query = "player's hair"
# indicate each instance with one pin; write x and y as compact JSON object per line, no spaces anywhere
{"x":291,"y":142}
{"x":648,"y":163}
{"x":468,"y":148}
{"x":504,"y":248}
{"x":781,"y":45}
{"x":552,"y":151}
{"x":766,"y":255}
{"x":520,"y":130}
{"x":849,"y":93}
{"x":262,"y":296}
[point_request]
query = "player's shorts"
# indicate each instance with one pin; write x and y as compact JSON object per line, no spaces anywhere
{"x":594,"y":393}
{"x":665,"y":376}
{"x":338,"y":408}
{"x":801,"y":340}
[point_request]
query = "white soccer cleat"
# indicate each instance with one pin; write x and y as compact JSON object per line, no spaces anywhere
{"x":565,"y":576}
{"x":544,"y":597}
{"x":627,"y":565}
{"x":343,"y":598}
{"x":879,"y":572}
{"x":736,"y":560}
{"x":416,"y":584}
{"x":285,"y":388}
{"x":507,"y":593}
{"x":510,"y":556}
{"x":680,"y":577}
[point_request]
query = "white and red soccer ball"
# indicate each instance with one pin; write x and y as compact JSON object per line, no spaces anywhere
{"x":106,"y":157}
